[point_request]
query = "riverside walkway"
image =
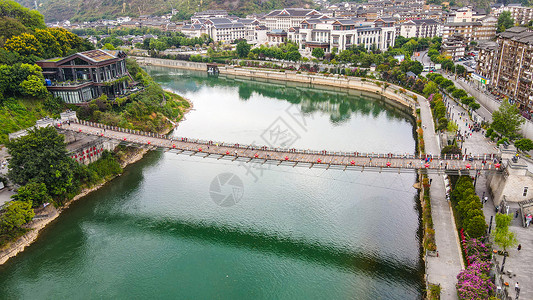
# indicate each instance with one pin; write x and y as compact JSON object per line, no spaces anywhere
{"x":292,"y":157}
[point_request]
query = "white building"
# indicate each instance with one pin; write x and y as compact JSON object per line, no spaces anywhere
{"x":207,"y":14}
{"x":220,"y":29}
{"x":288,"y":17}
{"x":427,"y":28}
{"x":521,"y":14}
{"x":342,"y":33}
{"x":225,"y":30}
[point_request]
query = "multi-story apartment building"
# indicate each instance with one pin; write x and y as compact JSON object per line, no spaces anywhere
{"x":454,"y":47}
{"x":472,"y":27}
{"x":343,"y":33}
{"x":512,"y":67}
{"x":521,"y":14}
{"x":485,"y":59}
{"x":427,"y":28}
{"x":481,"y":29}
{"x":288,"y":17}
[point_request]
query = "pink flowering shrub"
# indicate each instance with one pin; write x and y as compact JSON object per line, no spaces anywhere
{"x":474,"y":282}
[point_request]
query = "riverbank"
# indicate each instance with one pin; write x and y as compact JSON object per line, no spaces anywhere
{"x":384,"y":89}
{"x":44,"y":216}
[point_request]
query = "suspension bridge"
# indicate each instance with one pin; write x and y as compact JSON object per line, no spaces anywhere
{"x":382,"y":162}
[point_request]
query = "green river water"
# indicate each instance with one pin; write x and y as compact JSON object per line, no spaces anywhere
{"x":162,"y":231}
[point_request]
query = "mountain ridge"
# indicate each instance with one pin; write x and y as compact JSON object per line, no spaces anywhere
{"x":92,"y":10}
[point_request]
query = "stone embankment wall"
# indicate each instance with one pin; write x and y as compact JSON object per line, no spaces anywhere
{"x":181,"y":64}
{"x":392,"y":92}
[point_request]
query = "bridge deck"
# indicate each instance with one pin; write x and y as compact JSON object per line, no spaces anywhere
{"x":263,"y":154}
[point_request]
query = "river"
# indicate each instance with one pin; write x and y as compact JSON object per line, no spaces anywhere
{"x":175,"y":226}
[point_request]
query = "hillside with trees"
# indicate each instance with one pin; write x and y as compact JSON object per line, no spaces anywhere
{"x":40,"y":164}
{"x":25,"y":99}
{"x":91,"y":10}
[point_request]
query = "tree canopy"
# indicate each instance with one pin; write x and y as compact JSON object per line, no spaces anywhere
{"x":524,"y":144}
{"x":16,"y":214}
{"x":318,"y":53}
{"x":34,"y":192}
{"x":243,"y":48}
{"x":41,"y":156}
{"x":30,"y":18}
{"x":503,"y":237}
{"x":504,"y":21}
{"x":507,"y":120}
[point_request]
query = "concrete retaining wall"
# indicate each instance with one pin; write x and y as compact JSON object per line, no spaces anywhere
{"x":180,"y":64}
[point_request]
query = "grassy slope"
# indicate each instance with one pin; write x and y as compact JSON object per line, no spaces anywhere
{"x":19,"y":114}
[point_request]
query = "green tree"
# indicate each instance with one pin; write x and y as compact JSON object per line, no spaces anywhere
{"x":430,"y":88}
{"x":460,"y":70}
{"x":504,"y":21}
{"x":503,"y":237}
{"x":41,"y":156}
{"x":10,"y":27}
{"x":16,"y":214}
{"x":50,"y":45}
{"x":34,"y":193}
{"x":293,"y":55}
{"x":109,"y":46}
{"x":507,"y":120}
{"x":474,"y":106}
{"x":445,"y":83}
{"x":416,"y":67}
{"x":458,"y":94}
{"x":30,"y":18}
{"x":34,"y":86}
{"x":318,"y":53}
{"x":451,"y":149}
{"x":433,"y":52}
{"x":524,"y":144}
{"x":243,"y":48}
{"x":476,"y":227}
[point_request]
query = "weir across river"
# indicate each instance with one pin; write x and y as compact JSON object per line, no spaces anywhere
{"x":382,"y":162}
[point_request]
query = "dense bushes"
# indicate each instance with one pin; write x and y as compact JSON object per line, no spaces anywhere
{"x":429,"y":236}
{"x":12,"y":218}
{"x":286,"y":51}
{"x":474,"y":282}
{"x":147,"y":110}
{"x":439,"y":112}
{"x":450,"y":88}
{"x":469,"y":208}
{"x":451,"y":149}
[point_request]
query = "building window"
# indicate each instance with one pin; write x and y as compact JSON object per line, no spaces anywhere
{"x":525,"y":191}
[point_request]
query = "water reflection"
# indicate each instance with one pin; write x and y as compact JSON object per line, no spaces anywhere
{"x":339,"y":103}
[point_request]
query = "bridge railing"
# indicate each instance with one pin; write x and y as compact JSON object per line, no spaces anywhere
{"x":486,"y":157}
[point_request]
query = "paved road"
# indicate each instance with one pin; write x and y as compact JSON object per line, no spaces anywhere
{"x":424,"y":58}
{"x":485,"y":111}
{"x":474,"y":141}
{"x":520,"y":263}
{"x":444,"y":268}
